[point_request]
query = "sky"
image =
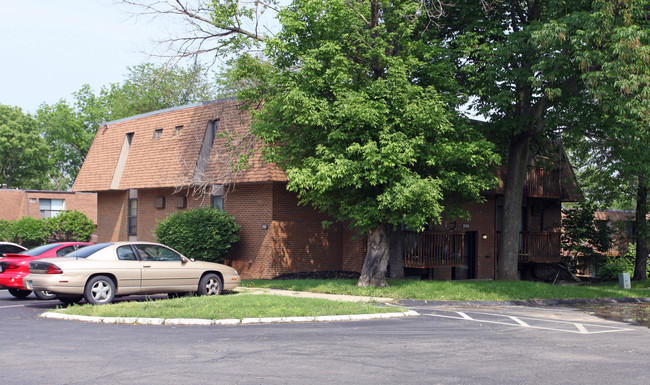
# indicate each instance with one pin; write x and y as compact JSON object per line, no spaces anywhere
{"x":50,"y":48}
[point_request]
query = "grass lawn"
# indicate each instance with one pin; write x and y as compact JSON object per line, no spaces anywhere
{"x":472,"y":290}
{"x":241,"y":305}
{"x":228,"y":306}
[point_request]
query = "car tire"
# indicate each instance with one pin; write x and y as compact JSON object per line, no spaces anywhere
{"x":99,"y":290}
{"x":210,"y":284}
{"x":20,"y":293}
{"x":44,"y":294}
{"x":69,"y":300}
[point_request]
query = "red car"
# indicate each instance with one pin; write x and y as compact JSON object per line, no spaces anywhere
{"x":13,"y":267}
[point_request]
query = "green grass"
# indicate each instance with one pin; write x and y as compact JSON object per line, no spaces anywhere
{"x":459,"y":290}
{"x":241,"y":305}
{"x":229,"y":306}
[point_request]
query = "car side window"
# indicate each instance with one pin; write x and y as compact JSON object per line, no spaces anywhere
{"x":157,"y":253}
{"x":125,"y":253}
{"x":64,"y":250}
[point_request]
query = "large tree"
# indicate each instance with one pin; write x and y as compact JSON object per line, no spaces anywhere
{"x":611,"y":41}
{"x":358,"y":111}
{"x":23,"y":153}
{"x":528,"y":90}
{"x":353,"y":104}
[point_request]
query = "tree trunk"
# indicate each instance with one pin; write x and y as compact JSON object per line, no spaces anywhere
{"x":396,"y":255}
{"x":513,"y":194}
{"x":641,"y":258}
{"x":376,"y":262}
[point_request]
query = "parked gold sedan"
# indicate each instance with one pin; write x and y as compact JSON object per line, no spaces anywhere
{"x":98,"y":273}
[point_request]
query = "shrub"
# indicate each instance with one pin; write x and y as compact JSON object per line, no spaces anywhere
{"x":4,"y":230}
{"x":70,"y":226}
{"x":205,"y":234}
{"x":28,"y":231}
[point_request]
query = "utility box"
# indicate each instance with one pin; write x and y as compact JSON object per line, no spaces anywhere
{"x":624,"y":281}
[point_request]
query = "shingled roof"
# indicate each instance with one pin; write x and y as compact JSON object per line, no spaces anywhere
{"x":163,"y":149}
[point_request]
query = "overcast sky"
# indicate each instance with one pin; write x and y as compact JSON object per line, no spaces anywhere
{"x":50,"y":48}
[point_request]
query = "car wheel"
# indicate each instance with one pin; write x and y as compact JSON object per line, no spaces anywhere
{"x":99,"y":290}
{"x":44,"y":294}
{"x":210,"y":284}
{"x":68,"y":300}
{"x":20,"y":293}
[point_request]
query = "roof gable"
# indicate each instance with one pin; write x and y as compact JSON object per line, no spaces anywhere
{"x":163,"y":149}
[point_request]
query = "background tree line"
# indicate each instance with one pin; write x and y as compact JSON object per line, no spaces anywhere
{"x":46,"y":150}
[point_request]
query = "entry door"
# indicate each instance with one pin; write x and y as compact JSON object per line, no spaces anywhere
{"x":468,"y":269}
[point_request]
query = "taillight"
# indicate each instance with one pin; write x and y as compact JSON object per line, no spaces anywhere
{"x":37,"y":267}
{"x":9,"y":266}
{"x":53,"y":269}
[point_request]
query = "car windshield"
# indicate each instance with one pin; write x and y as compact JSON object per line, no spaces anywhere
{"x":36,"y":251}
{"x":84,"y":252}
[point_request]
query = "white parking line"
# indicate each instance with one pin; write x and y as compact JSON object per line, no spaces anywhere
{"x":533,"y":323}
{"x":3,"y":307}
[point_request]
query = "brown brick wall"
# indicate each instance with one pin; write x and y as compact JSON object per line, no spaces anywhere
{"x":277,"y":236}
{"x":15,"y":204}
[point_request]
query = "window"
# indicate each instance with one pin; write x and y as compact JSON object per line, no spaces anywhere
{"x":132,"y":225}
{"x":133,"y":216}
{"x":178,"y":130}
{"x":157,"y":134}
{"x":217,"y":202}
{"x":125,"y":253}
{"x":64,"y":250}
{"x":51,"y":207}
{"x":157,"y":253}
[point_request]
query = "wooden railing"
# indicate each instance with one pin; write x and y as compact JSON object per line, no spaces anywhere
{"x":539,"y":183}
{"x":432,"y":249}
{"x":538,"y":247}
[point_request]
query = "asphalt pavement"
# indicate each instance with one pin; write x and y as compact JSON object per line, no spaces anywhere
{"x":445,"y":344}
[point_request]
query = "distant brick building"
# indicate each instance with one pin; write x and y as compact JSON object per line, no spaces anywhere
{"x":15,"y":204}
{"x":138,"y":167}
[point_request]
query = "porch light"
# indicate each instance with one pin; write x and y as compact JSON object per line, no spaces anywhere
{"x":484,"y":236}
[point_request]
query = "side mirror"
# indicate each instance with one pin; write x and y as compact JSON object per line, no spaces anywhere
{"x":186,"y":260}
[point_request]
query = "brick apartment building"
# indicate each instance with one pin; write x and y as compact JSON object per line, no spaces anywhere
{"x":138,"y":167}
{"x":15,"y":204}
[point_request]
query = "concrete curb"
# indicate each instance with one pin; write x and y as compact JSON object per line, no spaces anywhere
{"x":206,"y":322}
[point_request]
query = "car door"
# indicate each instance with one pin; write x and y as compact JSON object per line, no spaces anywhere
{"x":163,"y":270}
{"x":127,"y":270}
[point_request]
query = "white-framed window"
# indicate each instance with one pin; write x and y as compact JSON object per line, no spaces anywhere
{"x":51,"y":207}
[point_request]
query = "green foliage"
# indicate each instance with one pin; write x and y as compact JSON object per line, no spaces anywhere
{"x":4,"y":230}
{"x":28,"y":231}
{"x":70,"y":226}
{"x":356,"y":115}
{"x":205,"y":233}
{"x":585,"y":239}
{"x":613,"y":266}
{"x":23,"y":153}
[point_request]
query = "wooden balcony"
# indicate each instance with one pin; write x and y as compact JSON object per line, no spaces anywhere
{"x":540,"y":183}
{"x":432,"y":249}
{"x":538,"y":247}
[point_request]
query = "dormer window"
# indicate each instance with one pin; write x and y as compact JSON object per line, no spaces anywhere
{"x":157,"y":134}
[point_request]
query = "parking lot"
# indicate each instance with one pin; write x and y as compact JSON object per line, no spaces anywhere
{"x":444,"y":345}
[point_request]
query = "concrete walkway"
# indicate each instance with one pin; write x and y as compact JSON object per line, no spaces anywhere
{"x":304,"y":294}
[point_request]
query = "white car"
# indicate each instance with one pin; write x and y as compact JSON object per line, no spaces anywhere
{"x":98,"y":273}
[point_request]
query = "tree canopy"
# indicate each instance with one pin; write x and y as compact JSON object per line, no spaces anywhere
{"x":352,"y":107}
{"x":23,"y":152}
